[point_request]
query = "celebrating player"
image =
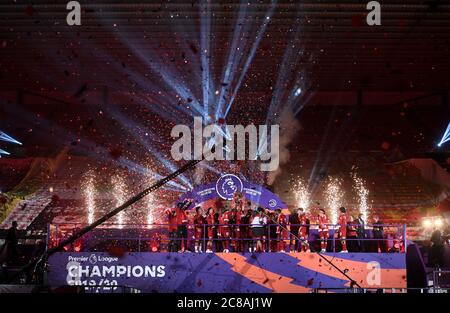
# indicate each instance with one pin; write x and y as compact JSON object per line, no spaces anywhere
{"x":282,"y":231}
{"x":303,"y":231}
{"x":211,"y":226}
{"x":172,"y":223}
{"x":342,"y":233}
{"x":224,"y":229}
{"x":323,"y":229}
{"x":182,"y":222}
{"x":237,"y":235}
{"x":199,"y":225}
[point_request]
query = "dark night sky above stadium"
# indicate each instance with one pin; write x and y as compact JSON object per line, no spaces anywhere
{"x":119,"y":82}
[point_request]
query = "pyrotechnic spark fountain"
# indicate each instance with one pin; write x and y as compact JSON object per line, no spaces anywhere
{"x":363,"y":195}
{"x":120,"y":191}
{"x":89,"y":195}
{"x":150,"y":207}
{"x":150,"y":203}
{"x":334,"y":196}
{"x":302,"y":194}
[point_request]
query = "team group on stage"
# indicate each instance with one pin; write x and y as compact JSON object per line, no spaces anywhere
{"x":239,"y":227}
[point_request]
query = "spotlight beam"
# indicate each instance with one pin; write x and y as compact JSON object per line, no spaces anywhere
{"x":86,"y":145}
{"x":152,"y":61}
{"x":283,"y":77}
{"x":5,"y":137}
{"x":445,"y":137}
{"x":249,"y":60}
{"x":163,"y":99}
{"x":127,"y":124}
{"x":233,"y":57}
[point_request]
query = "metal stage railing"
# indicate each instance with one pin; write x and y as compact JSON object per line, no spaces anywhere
{"x":164,"y":235}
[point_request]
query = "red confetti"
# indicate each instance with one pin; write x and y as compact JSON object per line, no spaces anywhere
{"x":385,"y":145}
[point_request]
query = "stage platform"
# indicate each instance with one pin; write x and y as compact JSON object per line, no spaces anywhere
{"x":225,"y":272}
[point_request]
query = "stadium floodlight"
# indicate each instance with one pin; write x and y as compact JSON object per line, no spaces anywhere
{"x":427,"y":223}
{"x":445,"y":137}
{"x":438,"y":222}
{"x":8,"y":138}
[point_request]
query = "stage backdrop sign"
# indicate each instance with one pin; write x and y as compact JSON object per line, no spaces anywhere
{"x":225,"y":187}
{"x":224,"y":272}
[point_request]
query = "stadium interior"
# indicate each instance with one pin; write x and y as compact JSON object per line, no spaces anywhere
{"x":93,"y":108}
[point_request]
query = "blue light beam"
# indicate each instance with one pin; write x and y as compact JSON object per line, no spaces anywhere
{"x":445,"y":137}
{"x":254,"y":47}
{"x":4,"y":152}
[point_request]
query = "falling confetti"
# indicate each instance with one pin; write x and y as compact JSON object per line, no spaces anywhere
{"x":88,"y":188}
{"x":362,"y":194}
{"x":120,"y":191}
{"x":302,"y":194}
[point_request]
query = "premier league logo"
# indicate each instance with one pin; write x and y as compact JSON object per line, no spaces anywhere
{"x":227,"y":185}
{"x":93,"y":259}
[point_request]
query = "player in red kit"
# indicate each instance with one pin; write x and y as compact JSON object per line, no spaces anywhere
{"x":238,"y":201}
{"x":199,"y":225}
{"x":224,"y":229}
{"x":210,"y":229}
{"x":323,"y":229}
{"x":303,"y":230}
{"x":237,"y":240}
{"x":342,"y":233}
{"x":245,"y":229}
{"x":282,"y":231}
{"x":172,"y":222}
{"x":182,"y":222}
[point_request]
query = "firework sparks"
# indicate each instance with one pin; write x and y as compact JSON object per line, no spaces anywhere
{"x":334,"y":196}
{"x":150,"y":209}
{"x":302,"y":194}
{"x":89,"y":196}
{"x":120,"y":191}
{"x":363,"y":195}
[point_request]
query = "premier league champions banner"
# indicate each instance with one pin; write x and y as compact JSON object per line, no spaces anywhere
{"x":225,"y":187}
{"x":225,"y":272}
